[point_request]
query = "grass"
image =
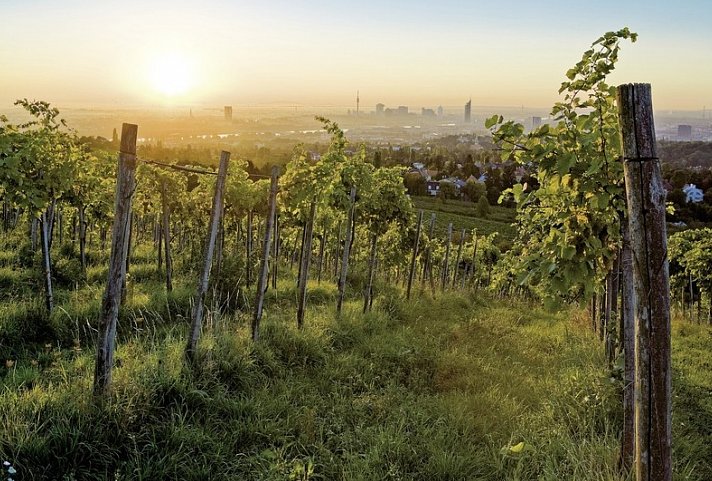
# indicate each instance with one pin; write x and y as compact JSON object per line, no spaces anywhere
{"x":444,"y":388}
{"x":433,"y":389}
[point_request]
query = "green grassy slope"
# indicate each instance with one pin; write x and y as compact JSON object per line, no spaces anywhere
{"x":463,"y":215}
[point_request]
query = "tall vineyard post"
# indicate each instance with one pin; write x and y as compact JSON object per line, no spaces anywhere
{"x":167,"y":237}
{"x":646,"y":204}
{"x":368,"y":292}
{"x":275,"y":249}
{"x":125,"y":186}
{"x":414,"y":257}
{"x":304,"y":266}
{"x":262,"y":280}
{"x":446,"y":262}
{"x":347,"y":247}
{"x":215,"y":216}
{"x":457,"y":259}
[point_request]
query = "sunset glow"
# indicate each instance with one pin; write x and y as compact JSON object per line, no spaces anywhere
{"x":171,"y":74}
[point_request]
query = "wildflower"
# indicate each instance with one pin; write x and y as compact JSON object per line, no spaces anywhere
{"x":6,"y":463}
{"x":11,"y":470}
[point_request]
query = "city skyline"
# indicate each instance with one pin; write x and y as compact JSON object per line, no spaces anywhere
{"x":313,"y":53}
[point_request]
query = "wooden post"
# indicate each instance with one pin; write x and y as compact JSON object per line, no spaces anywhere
{"x":445,"y":276}
{"x":457,"y":260}
{"x":322,"y":242}
{"x":46,"y":264}
{"x":337,"y":250}
{"x":215,"y":216}
{"x":414,"y":257}
{"x":347,"y":248}
{"x":304,"y":265}
{"x":276,"y":249}
{"x":82,"y":238}
{"x":248,"y":250}
{"x":646,"y":217}
{"x":167,"y":237}
{"x":125,"y":185}
{"x":628,"y":344}
{"x":264,"y":265}
{"x":368,"y":292}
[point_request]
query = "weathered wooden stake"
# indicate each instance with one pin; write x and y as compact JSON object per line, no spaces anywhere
{"x":368,"y":292}
{"x":125,"y":185}
{"x":628,"y":344}
{"x":457,"y":260}
{"x":276,"y":249}
{"x":46,"y":264}
{"x":347,"y":248}
{"x":304,"y":266}
{"x":646,"y":209}
{"x":215,"y":216}
{"x":322,"y":242}
{"x":445,"y":276}
{"x":167,"y":237}
{"x":264,"y":264}
{"x":248,"y":250}
{"x":414,"y":257}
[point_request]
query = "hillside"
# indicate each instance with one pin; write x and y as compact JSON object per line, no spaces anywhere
{"x":463,"y":214}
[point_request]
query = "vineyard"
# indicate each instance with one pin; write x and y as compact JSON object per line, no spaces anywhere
{"x":168,"y":318}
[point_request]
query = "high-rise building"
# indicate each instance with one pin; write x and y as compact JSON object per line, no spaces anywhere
{"x":536,"y":122}
{"x":402,"y":110}
{"x":468,"y":111}
{"x":380,"y":108}
{"x":427,"y":112}
{"x":228,"y":112}
{"x":358,"y":101}
{"x":440,"y":111}
{"x":684,"y":132}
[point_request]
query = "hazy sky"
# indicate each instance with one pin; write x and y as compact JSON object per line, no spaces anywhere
{"x":317,"y":52}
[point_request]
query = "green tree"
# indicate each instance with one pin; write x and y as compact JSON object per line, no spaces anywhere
{"x":569,"y":228}
{"x":483,"y":207}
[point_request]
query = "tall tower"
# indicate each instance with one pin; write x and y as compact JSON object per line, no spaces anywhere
{"x":358,"y":100}
{"x":468,"y":111}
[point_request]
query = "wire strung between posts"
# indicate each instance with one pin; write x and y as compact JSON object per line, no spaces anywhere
{"x":191,"y":170}
{"x":176,"y":167}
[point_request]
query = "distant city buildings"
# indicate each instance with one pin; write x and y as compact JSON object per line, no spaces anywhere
{"x":440,"y":111}
{"x":684,"y":132}
{"x":536,"y":122}
{"x":379,"y":109}
{"x":227,"y":112}
{"x":468,"y":111}
{"x":427,"y":112}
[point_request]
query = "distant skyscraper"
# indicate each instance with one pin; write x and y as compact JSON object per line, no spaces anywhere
{"x":402,"y":110}
{"x":536,"y":122}
{"x":358,"y":101}
{"x":380,"y":108}
{"x":427,"y":112}
{"x":684,"y":132}
{"x":228,"y":112}
{"x":440,"y":111}
{"x":468,"y":111}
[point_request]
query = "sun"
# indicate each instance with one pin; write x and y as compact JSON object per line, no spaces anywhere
{"x":171,"y":74}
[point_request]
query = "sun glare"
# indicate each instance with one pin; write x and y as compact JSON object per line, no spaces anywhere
{"x":171,"y":74}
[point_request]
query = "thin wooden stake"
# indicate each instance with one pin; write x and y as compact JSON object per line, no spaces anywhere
{"x":215,"y":216}
{"x":167,"y":237}
{"x":125,"y":186}
{"x":347,"y":248}
{"x":446,"y":263}
{"x":457,"y":260}
{"x":304,"y":266}
{"x":414,"y":257}
{"x":264,"y":265}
